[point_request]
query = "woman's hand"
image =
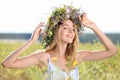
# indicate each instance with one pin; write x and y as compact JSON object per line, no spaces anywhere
{"x":86,"y":22}
{"x":36,"y":32}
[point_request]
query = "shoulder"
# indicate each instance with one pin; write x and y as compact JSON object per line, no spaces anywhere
{"x":82,"y":54}
{"x":41,"y":56}
{"x":41,"y":53}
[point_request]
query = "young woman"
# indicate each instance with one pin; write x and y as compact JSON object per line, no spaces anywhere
{"x":61,"y":40}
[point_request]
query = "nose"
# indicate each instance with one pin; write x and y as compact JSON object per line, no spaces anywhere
{"x":71,"y":30}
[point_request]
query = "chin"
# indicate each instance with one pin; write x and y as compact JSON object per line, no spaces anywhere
{"x":70,"y":42}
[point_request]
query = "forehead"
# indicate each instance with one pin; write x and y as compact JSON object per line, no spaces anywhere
{"x":68,"y":22}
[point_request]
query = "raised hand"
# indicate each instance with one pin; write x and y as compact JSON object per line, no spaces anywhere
{"x":86,"y":22}
{"x":37,"y":32}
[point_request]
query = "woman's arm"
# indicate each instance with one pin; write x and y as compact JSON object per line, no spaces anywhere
{"x":12,"y":60}
{"x":110,"y":48}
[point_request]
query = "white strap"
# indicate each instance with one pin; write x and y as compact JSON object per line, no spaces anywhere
{"x":48,"y":57}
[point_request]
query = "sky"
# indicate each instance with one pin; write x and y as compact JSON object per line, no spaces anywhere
{"x":23,"y":16}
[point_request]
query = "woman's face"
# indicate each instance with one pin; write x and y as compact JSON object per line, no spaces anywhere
{"x":67,"y":32}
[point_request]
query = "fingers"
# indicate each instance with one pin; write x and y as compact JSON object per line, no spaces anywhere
{"x":40,"y":24}
{"x":84,"y":17}
{"x":38,"y":28}
{"x":81,"y":19}
{"x":37,"y":31}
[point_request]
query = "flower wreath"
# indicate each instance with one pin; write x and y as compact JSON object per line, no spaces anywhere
{"x":56,"y":18}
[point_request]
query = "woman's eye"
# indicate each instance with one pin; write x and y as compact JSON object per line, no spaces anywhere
{"x":65,"y":28}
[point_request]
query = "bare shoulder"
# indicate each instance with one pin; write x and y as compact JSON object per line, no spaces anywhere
{"x":41,"y":55}
{"x":82,"y":54}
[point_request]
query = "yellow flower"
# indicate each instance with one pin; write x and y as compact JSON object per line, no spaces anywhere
{"x":68,"y":78}
{"x":74,"y":63}
{"x":54,"y":59}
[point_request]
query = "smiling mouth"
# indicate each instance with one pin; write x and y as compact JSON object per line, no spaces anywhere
{"x":70,"y":36}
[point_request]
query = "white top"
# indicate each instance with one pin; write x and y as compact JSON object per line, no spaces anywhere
{"x":55,"y":73}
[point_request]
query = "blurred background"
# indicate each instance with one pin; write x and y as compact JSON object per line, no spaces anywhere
{"x":18,"y":19}
{"x":22,"y":16}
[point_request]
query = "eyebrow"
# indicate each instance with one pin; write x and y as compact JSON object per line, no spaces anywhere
{"x":67,"y":25}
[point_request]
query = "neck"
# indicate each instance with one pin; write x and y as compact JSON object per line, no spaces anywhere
{"x":60,"y":49}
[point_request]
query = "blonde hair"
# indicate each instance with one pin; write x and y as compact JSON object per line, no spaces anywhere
{"x":71,"y":49}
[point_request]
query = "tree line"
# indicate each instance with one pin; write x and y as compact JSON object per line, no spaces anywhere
{"x":84,"y":38}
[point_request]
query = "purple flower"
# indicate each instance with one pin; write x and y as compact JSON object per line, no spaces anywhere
{"x":68,"y":10}
{"x":53,"y":18}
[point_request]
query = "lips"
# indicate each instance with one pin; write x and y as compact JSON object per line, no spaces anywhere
{"x":70,"y":36}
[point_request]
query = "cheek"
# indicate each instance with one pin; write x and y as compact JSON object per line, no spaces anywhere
{"x":63,"y":33}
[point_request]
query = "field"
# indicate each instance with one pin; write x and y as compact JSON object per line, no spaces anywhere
{"x":107,"y":69}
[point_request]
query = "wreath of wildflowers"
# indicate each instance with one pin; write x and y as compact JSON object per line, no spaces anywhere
{"x":58,"y":15}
